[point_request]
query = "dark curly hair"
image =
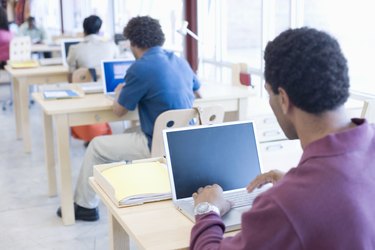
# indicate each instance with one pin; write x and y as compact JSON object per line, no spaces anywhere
{"x":92,"y":24}
{"x":309,"y":65}
{"x":144,"y":32}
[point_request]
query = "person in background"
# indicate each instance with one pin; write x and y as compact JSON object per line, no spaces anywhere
{"x":327,"y":201}
{"x":36,"y":34}
{"x":156,"y":82}
{"x":5,"y":38}
{"x":29,"y":28}
{"x":89,"y":54}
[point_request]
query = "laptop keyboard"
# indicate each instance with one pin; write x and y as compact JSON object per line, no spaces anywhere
{"x":241,"y":198}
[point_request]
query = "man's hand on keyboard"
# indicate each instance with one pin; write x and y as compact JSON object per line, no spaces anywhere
{"x":272,"y":176}
{"x":212,"y":194}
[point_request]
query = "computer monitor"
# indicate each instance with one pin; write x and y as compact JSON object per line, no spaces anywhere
{"x":65,"y":45}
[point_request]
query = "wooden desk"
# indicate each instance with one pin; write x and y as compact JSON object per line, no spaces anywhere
{"x":97,"y":108}
{"x":21,"y":80}
{"x":157,"y":225}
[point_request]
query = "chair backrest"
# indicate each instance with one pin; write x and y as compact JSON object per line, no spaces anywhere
{"x":20,"y":48}
{"x":368,"y":110}
{"x":81,"y":75}
{"x":181,"y":118}
{"x":211,"y":114}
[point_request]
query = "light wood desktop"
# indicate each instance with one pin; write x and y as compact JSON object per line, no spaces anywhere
{"x":97,"y":108}
{"x":21,"y":80}
{"x":156,"y":225}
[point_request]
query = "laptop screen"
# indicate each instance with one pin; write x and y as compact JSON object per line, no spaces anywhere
{"x":113,"y":73}
{"x":225,"y":154}
{"x":65,"y":45}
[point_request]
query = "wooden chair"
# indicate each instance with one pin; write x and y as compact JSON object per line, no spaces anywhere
{"x":20,"y":48}
{"x":181,"y":118}
{"x":88,"y":132}
{"x":81,"y":75}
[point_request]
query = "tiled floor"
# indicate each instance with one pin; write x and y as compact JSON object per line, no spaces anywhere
{"x":27,"y":214}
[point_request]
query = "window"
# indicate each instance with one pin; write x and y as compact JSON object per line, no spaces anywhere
{"x":350,"y":23}
{"x":75,"y":11}
{"x":168,"y":12}
{"x":47,"y":15}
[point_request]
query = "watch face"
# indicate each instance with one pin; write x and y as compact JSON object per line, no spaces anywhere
{"x":202,"y":208}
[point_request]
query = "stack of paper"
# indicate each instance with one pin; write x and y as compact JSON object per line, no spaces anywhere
{"x":133,"y":184}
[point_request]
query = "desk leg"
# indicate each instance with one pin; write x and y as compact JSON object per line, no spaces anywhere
{"x":118,"y":238}
{"x":24,"y":112}
{"x":242,"y":108}
{"x":49,"y":154}
{"x":16,"y":105}
{"x":63,"y":159}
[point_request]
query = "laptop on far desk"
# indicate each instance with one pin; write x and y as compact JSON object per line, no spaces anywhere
{"x":226,"y":154}
{"x":113,"y":73}
{"x":65,"y":45}
{"x":51,"y":61}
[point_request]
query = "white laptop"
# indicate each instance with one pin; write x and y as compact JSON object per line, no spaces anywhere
{"x":226,"y":154}
{"x":113,"y":73}
{"x":65,"y":45}
{"x":51,"y":61}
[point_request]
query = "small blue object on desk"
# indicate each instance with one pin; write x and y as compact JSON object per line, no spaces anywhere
{"x":59,"y":94}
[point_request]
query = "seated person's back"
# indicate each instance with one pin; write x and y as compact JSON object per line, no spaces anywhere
{"x":90,"y":52}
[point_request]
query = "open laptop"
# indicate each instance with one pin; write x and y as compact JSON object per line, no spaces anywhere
{"x":113,"y":73}
{"x":65,"y":45}
{"x":226,"y":154}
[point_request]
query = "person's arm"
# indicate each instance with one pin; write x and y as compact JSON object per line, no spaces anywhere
{"x":265,"y":226}
{"x":117,"y":108}
{"x":197,"y":94}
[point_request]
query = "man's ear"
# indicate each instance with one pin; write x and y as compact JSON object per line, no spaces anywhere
{"x":284,"y":100}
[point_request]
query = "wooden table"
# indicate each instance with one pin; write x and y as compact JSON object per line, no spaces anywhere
{"x":97,"y":108}
{"x":21,"y":80}
{"x":156,"y":225}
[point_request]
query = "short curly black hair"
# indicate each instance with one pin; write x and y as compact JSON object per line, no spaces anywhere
{"x":92,"y":24}
{"x":309,"y":65}
{"x":144,"y":32}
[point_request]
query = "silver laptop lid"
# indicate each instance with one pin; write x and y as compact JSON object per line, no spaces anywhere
{"x":113,"y":73}
{"x":225,"y":153}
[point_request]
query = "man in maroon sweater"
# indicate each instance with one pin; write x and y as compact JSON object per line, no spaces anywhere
{"x":327,"y":201}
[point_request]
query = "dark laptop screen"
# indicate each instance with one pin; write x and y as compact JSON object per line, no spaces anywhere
{"x":224,"y":154}
{"x":67,"y":45}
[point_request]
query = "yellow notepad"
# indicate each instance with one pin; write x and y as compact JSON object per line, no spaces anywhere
{"x":132,"y":184}
{"x":24,"y":64}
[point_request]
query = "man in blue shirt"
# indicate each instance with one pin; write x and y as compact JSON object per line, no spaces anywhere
{"x":157,"y":81}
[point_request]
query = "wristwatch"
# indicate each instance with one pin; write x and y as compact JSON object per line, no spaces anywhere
{"x":204,"y":208}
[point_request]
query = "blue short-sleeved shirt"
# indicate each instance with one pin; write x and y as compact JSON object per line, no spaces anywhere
{"x":157,"y":82}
